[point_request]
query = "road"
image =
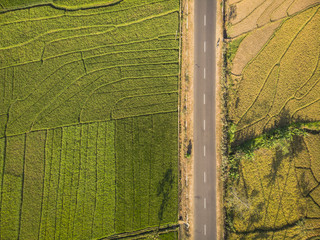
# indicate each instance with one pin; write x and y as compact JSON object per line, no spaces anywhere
{"x":204,"y":120}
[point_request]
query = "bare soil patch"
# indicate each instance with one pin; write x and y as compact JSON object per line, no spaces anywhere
{"x":219,"y":125}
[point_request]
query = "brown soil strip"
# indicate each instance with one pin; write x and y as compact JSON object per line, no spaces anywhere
{"x":186,"y":210}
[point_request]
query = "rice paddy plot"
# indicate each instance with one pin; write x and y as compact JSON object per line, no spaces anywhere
{"x":88,"y":118}
{"x":269,"y":183}
{"x":280,"y":84}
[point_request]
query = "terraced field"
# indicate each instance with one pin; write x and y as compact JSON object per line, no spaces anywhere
{"x":280,"y":84}
{"x":89,"y":117}
{"x":272,"y":66}
{"x":278,"y":193}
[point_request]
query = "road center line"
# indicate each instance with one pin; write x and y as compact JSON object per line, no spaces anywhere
{"x":205,"y":229}
{"x":204,"y":177}
{"x":204,"y":46}
{"x":204,"y":99}
{"x":204,"y":150}
{"x":204,"y":20}
{"x":204,"y":73}
{"x":205,"y":203}
{"x":204,"y":124}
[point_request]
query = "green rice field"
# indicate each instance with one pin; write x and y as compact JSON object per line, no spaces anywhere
{"x":88,"y":118}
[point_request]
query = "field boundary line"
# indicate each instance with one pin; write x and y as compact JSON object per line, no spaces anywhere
{"x":280,"y":19}
{"x":62,"y":7}
{"x":278,"y":62}
{"x":241,"y":20}
{"x":53,"y":31}
{"x":76,"y":124}
{"x":82,"y":76}
{"x":160,"y":229}
{"x":112,"y":27}
{"x":305,"y":106}
{"x":22,"y":183}
{"x":146,"y":114}
{"x":158,"y":38}
{"x":117,"y":81}
{"x":77,"y":15}
{"x":286,"y":102}
{"x":43,"y":181}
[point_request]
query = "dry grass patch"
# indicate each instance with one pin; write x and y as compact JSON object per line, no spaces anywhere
{"x":299,"y":5}
{"x":282,"y":79}
{"x":281,"y":11}
{"x":251,"y":46}
{"x":244,"y":9}
{"x":314,"y":151}
{"x":244,"y":16}
{"x":266,"y":15}
{"x":273,"y":195}
{"x":248,"y":23}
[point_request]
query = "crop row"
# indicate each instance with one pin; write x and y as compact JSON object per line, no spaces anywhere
{"x":59,"y":183}
{"x":48,"y":88}
{"x":59,"y":4}
{"x":246,"y":16}
{"x":146,"y":171}
{"x":68,"y":183}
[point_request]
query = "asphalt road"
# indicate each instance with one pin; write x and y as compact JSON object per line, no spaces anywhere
{"x":204,"y":120}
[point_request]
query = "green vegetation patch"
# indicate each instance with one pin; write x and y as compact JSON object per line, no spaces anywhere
{"x":233,"y":47}
{"x":60,"y":4}
{"x":88,"y":118}
{"x":146,"y":172}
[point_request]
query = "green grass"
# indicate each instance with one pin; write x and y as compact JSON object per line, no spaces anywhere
{"x":88,"y":117}
{"x":169,"y":236}
{"x":62,"y":4}
{"x":233,"y":47}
